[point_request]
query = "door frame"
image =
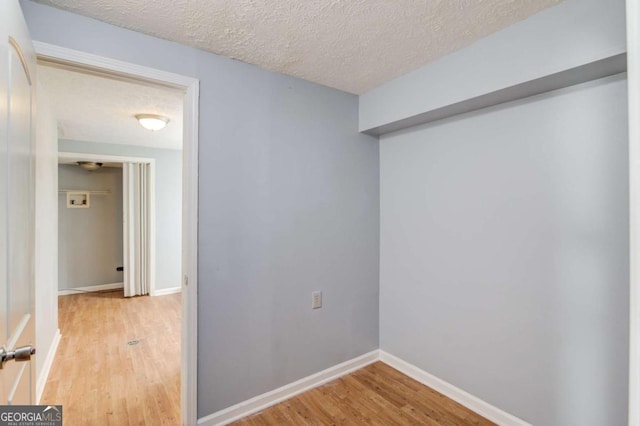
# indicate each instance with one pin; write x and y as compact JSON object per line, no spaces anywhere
{"x":119,"y":69}
{"x":633,"y":81}
{"x":79,"y":156}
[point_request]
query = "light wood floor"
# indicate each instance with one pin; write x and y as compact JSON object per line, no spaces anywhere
{"x":102,"y":380}
{"x":374,"y":395}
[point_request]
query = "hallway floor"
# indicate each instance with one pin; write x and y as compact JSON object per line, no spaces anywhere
{"x":118,"y":361}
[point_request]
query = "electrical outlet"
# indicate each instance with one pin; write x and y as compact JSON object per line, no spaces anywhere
{"x":316,"y":300}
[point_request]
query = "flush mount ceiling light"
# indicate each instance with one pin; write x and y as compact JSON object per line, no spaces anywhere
{"x":89,"y":166}
{"x":152,"y":122}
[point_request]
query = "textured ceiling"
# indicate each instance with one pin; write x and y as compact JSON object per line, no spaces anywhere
{"x":98,"y":109}
{"x":352,"y":45}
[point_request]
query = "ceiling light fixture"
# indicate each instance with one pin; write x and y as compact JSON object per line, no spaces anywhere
{"x":152,"y":122}
{"x":89,"y":166}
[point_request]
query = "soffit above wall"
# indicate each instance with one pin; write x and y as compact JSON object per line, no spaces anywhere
{"x":353,"y":45}
{"x":99,"y":109}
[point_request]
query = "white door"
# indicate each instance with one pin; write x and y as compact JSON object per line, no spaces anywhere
{"x":17,"y":191}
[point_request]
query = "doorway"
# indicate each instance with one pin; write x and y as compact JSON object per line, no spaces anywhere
{"x":117,"y":70}
{"x":90,"y":228}
{"x":128,"y":185}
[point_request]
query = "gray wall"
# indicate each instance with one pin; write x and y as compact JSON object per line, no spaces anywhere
{"x":504,"y":253}
{"x":289,"y":202}
{"x":168,"y":163}
{"x":573,"y":33}
{"x":90,"y":240}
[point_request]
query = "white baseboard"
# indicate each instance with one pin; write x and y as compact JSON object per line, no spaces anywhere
{"x":90,"y":288}
{"x":273,"y":397}
{"x":165,"y":291}
{"x":46,"y":367}
{"x":473,"y":403}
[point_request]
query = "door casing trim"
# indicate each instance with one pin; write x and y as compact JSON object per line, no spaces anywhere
{"x":119,"y":69}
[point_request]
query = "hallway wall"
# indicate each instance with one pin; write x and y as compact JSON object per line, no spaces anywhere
{"x":90,"y":239}
{"x":168,"y":164}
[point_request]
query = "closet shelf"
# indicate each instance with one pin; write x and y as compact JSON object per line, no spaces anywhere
{"x":85,"y":191}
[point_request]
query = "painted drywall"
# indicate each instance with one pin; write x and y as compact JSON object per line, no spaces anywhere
{"x":46,"y":235}
{"x":571,"y":34}
{"x":90,"y":239}
{"x":168,"y":163}
{"x":504,"y":253}
{"x":289,"y":199}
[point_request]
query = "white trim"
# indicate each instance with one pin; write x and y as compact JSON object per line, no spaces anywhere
{"x":189,"y":366}
{"x":90,"y":289}
{"x":165,"y":291}
{"x":46,"y":366}
{"x":80,"y":156}
{"x":473,"y":403}
{"x":275,"y":396}
{"x":633,"y":79}
{"x":268,"y":399}
{"x":191,"y":86}
{"x":62,"y":55}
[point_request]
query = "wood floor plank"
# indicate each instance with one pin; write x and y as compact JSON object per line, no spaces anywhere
{"x":274,"y":417}
{"x":100,"y":379}
{"x":383,"y":407}
{"x":370,"y":401}
{"x":426,"y":400}
{"x":440,"y":410}
{"x":374,"y":395}
{"x":320,"y":412}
